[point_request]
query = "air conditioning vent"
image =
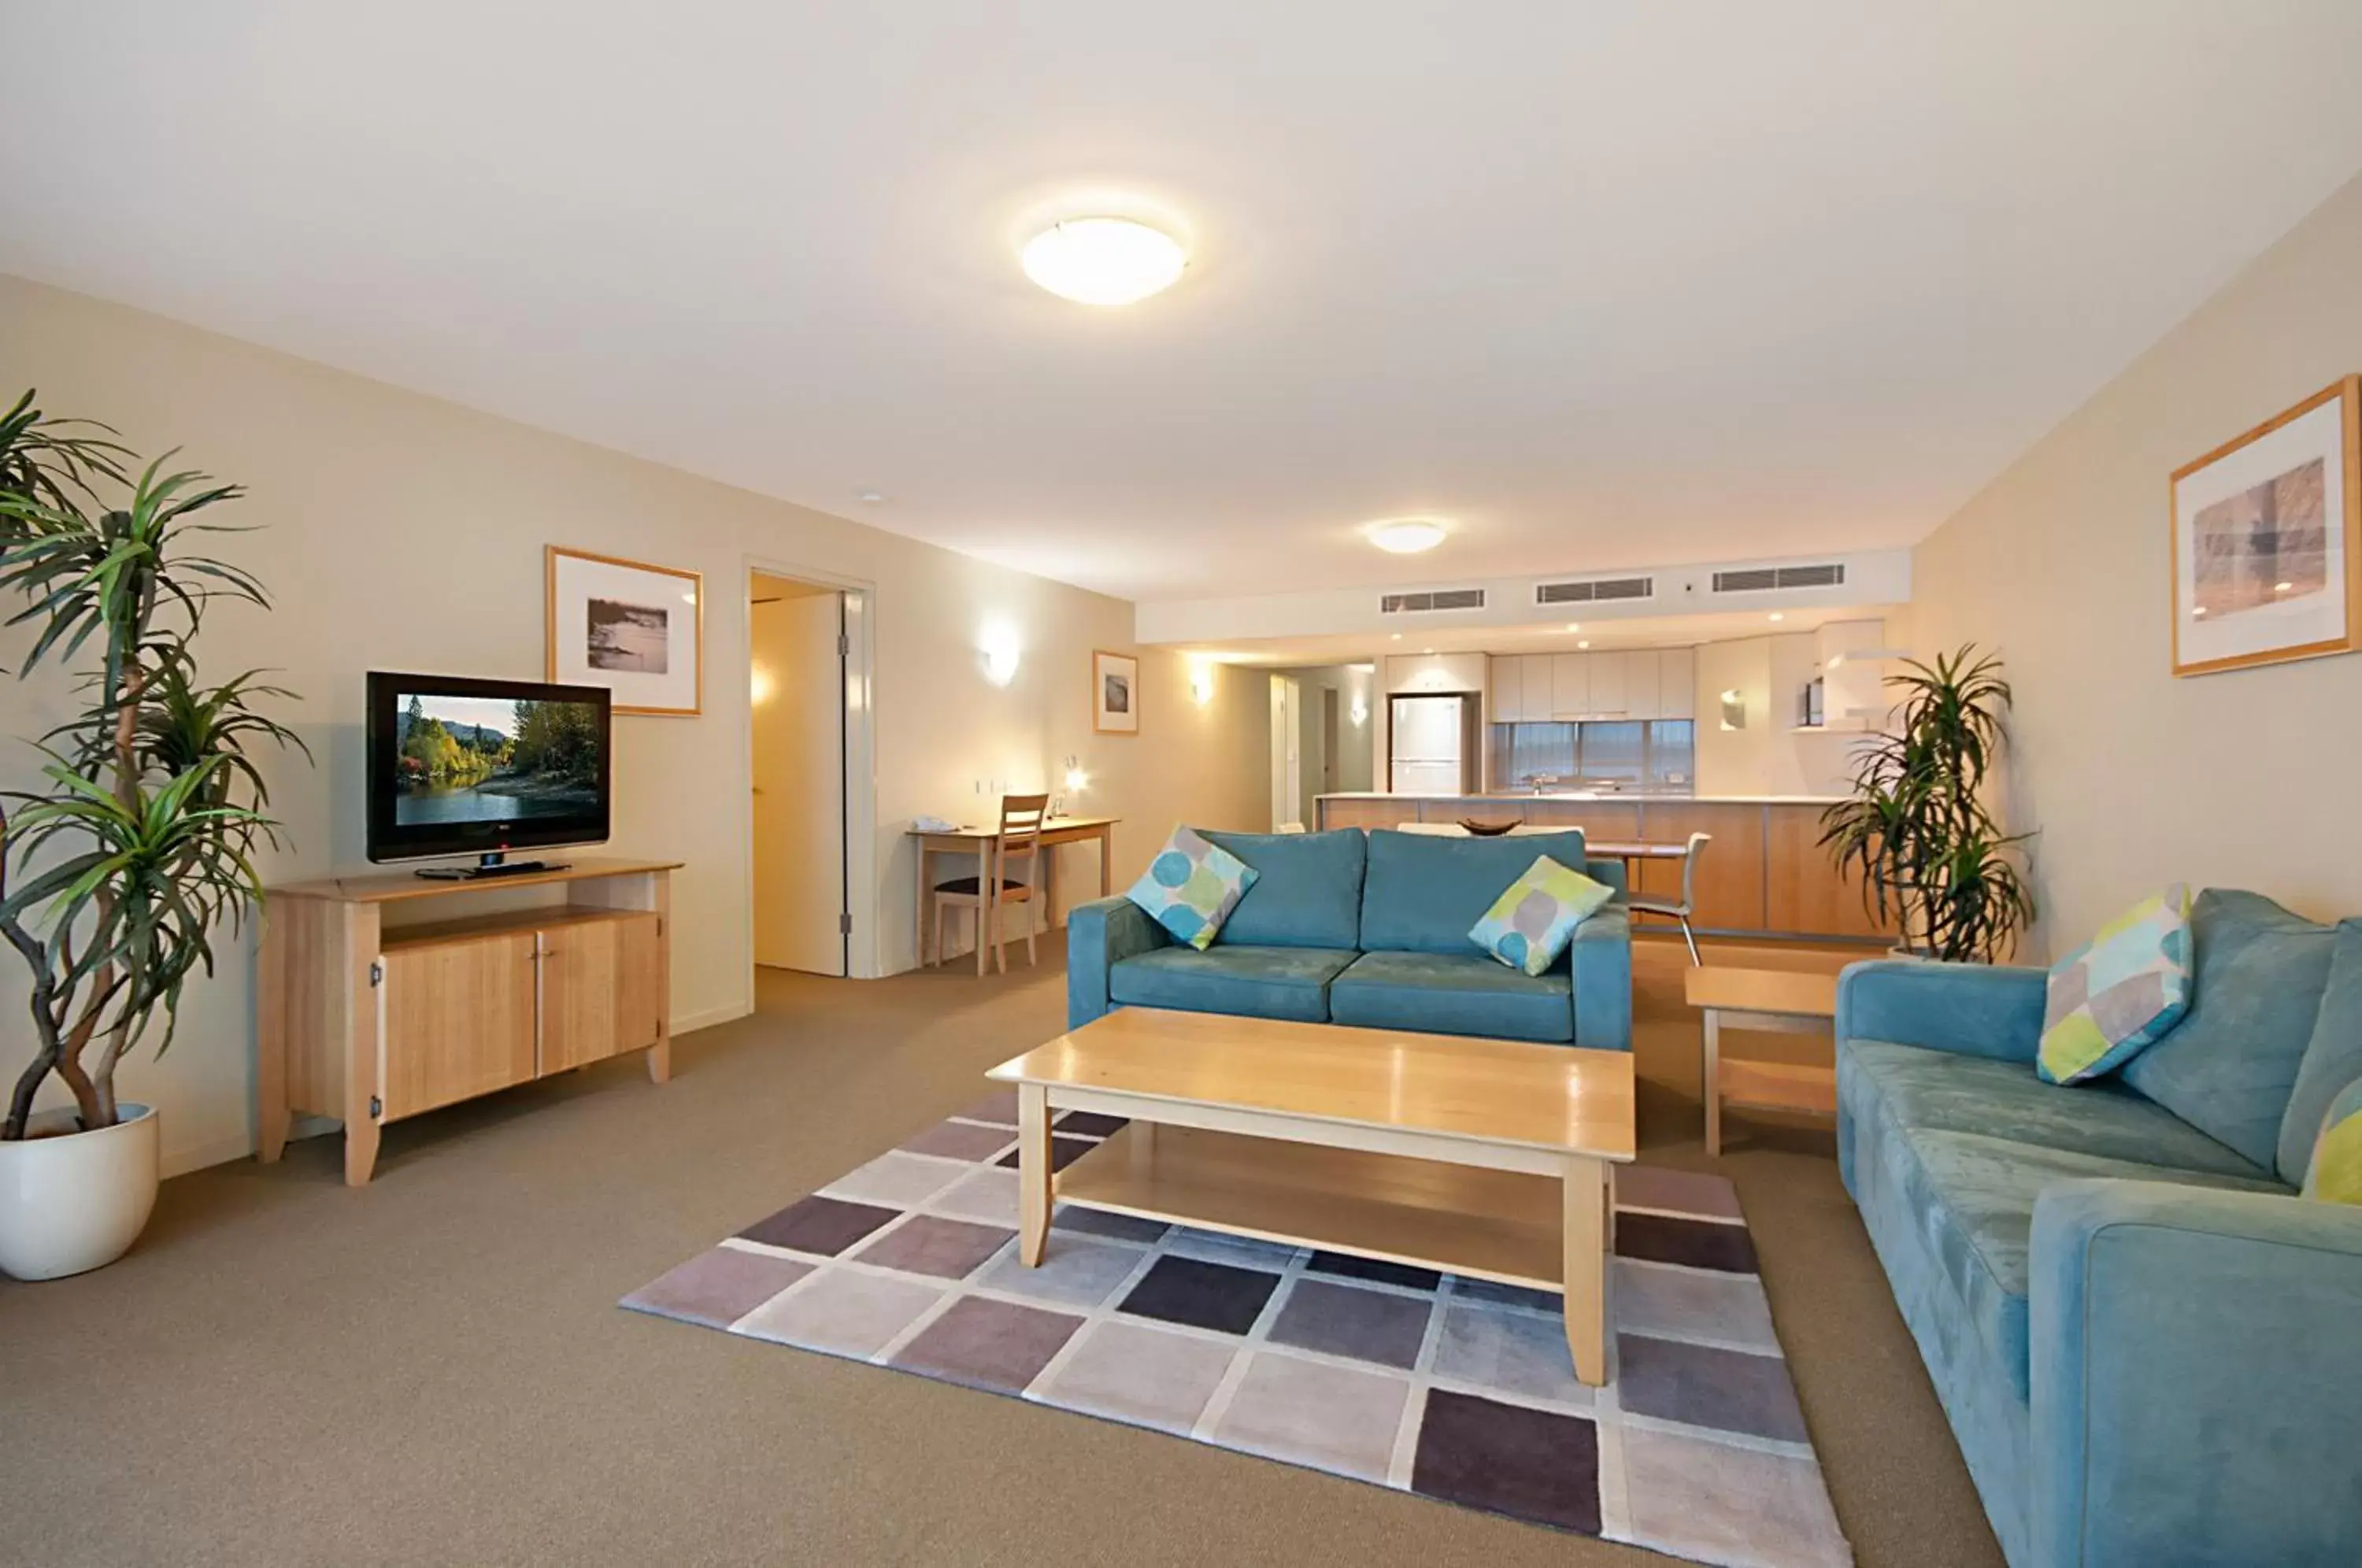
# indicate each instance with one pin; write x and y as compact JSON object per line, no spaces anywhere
{"x":1764,"y":580}
{"x":1427,"y":599}
{"x":1595,"y":590}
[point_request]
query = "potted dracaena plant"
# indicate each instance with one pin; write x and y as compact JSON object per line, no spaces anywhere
{"x":117,"y":875}
{"x":1933,"y":861}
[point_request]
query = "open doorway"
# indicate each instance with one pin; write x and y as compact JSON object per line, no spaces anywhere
{"x":797,"y":680}
{"x":1323,"y":740}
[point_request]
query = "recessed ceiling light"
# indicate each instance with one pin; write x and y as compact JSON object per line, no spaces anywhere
{"x":1103,"y":260}
{"x":1406,"y":536}
{"x":872,"y":497}
{"x":1574,"y":625}
{"x":1397,"y":636}
{"x":1585,"y":644}
{"x":1777,"y":616}
{"x":2282,"y":587}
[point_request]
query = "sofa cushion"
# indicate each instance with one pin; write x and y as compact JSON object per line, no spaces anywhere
{"x":1250,"y":982}
{"x":1421,"y":894}
{"x":1534,"y":919}
{"x":2119,"y":993}
{"x":2335,"y":1173}
{"x":1454,"y":993}
{"x":1951,"y":1093}
{"x":1307,"y":890}
{"x":2332,"y":1060}
{"x":2256,"y":982}
{"x":1973,"y":1193}
{"x":1191,"y":886}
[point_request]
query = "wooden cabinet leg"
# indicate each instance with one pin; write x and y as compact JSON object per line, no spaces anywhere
{"x":360,"y":1152}
{"x":1033,"y":1196}
{"x":660,"y":1062}
{"x":1585,"y":1268}
{"x":1710,"y":1081}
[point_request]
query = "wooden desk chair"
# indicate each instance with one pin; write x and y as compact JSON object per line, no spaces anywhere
{"x":1020,"y":839}
{"x":1686,"y":905}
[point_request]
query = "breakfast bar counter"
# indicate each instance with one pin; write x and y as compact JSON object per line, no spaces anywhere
{"x":1764,"y":874}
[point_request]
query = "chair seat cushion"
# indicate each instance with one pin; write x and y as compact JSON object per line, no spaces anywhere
{"x":1240,"y":978}
{"x":1974,"y":1191}
{"x":969,"y":885}
{"x":1454,"y":993}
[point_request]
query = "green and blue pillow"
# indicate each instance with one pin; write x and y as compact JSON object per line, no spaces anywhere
{"x":1191,"y":886}
{"x":2335,"y":1173}
{"x":1531,"y":922}
{"x":2119,"y":993}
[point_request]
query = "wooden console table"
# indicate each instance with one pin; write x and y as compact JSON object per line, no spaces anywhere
{"x":1783,"y":1001}
{"x":372,"y":1020}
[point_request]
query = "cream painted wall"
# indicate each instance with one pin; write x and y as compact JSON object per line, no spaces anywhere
{"x":2244,"y":779}
{"x":1766,"y":757}
{"x":403,"y":532}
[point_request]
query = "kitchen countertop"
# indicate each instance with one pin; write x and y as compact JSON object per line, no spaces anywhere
{"x":1633,"y":797}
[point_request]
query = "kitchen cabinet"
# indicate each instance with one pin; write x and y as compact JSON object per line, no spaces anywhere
{"x":1570,"y":685}
{"x":1508,"y":706}
{"x":1534,"y":676}
{"x":1608,"y":697}
{"x":1640,"y":684}
{"x":1677,"y":683}
{"x":1423,"y":673}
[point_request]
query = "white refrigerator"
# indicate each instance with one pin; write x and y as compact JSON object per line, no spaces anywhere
{"x":1431,"y":746}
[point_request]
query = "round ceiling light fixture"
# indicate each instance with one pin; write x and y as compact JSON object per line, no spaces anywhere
{"x":1103,"y":260}
{"x":1407,"y":535}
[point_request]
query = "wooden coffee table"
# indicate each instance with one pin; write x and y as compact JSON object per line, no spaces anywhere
{"x":1488,"y":1158}
{"x":1779,"y":1001}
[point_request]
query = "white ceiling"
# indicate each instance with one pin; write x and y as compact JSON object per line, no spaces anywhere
{"x":1607,"y":280}
{"x":1598,"y":636}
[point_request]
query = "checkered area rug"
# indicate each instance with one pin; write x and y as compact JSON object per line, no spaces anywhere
{"x":1454,"y":1388}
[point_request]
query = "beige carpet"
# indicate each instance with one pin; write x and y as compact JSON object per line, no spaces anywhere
{"x":434,"y":1370}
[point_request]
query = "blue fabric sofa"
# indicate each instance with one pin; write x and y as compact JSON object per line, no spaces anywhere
{"x":2149,"y":1348}
{"x":1344,"y":927}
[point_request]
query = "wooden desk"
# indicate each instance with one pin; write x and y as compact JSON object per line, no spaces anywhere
{"x":980,"y":842}
{"x":1492,"y":1158}
{"x":1782,"y":1001}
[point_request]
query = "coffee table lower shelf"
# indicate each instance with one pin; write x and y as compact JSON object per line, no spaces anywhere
{"x":1495,"y":1225}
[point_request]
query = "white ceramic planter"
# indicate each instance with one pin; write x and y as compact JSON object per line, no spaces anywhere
{"x":76,"y":1201}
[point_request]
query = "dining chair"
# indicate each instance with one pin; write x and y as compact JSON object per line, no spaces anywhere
{"x":1686,"y":905}
{"x":1020,"y":838}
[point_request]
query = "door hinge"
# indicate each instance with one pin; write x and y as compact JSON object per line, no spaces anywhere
{"x":844,"y":645}
{"x":377,"y":1109}
{"x":660,"y":925}
{"x":376,"y":971}
{"x":845,"y":923}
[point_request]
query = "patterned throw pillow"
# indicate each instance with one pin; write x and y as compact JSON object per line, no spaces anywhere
{"x":2335,"y":1173}
{"x":1191,"y":886}
{"x":1530,"y":924}
{"x":2120,"y":992}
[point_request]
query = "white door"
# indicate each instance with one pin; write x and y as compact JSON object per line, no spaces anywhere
{"x":1287,"y":755}
{"x":799,"y":699}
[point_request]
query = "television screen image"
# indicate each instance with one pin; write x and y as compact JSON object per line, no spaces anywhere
{"x":478,"y":759}
{"x":462,"y":766}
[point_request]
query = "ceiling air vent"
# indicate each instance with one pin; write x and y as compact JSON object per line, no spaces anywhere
{"x":1761,"y":579}
{"x":1595,"y":590}
{"x":1432,"y":599}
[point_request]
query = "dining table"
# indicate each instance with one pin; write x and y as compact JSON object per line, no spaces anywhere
{"x":981,"y":843}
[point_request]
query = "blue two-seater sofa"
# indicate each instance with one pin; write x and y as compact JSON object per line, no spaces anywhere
{"x":2148,"y":1346}
{"x":1344,"y":927}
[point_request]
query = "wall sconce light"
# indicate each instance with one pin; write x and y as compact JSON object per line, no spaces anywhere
{"x":1077,"y":779}
{"x":1201,"y":683}
{"x":999,"y":651}
{"x":1734,"y":709}
{"x":760,"y":686}
{"x":1360,"y":713}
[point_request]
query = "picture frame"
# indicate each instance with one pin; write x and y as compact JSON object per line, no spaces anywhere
{"x":632,"y":626}
{"x":2266,"y":540}
{"x":1115,"y":694}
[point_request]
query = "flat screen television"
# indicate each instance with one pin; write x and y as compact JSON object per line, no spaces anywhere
{"x":482,"y":767}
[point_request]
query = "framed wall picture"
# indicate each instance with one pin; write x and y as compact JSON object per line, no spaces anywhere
{"x":2268,"y":540}
{"x":637,"y":629}
{"x":1115,"y":694}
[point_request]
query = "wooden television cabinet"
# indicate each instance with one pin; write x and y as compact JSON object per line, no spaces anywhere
{"x":372,"y":1019}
